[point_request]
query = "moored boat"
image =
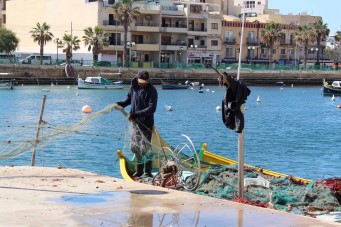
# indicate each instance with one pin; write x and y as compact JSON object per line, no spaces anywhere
{"x":6,"y":85}
{"x":98,"y":82}
{"x":332,"y":89}
{"x":170,"y":86}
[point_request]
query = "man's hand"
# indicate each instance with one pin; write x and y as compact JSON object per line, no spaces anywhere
{"x":117,"y":106}
{"x":131,"y":117}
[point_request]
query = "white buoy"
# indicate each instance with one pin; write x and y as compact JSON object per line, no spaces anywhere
{"x":333,"y":98}
{"x":218,"y":108}
{"x":68,"y":87}
{"x":168,"y":108}
{"x":258,"y":99}
{"x":292,"y":85}
{"x":77,"y":93}
{"x":86,"y":109}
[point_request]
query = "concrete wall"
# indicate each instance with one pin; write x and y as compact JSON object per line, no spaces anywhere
{"x":27,"y":74}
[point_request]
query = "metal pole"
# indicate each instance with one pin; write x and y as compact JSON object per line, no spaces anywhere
{"x":57,"y":49}
{"x":241,"y":135}
{"x":38,"y":130}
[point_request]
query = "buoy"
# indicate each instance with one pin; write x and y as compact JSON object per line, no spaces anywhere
{"x":86,"y":109}
{"x":218,"y":108}
{"x":258,"y":99}
{"x":169,"y":108}
{"x":333,"y":98}
{"x":68,"y":87}
{"x":77,"y":93}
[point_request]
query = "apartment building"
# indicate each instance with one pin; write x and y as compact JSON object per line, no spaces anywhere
{"x":166,"y":32}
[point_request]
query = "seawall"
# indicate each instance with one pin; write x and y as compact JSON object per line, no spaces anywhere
{"x":45,"y":74}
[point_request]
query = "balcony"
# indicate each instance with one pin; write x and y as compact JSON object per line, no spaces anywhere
{"x":230,"y":40}
{"x":147,"y":27}
{"x":251,"y":40}
{"x":174,"y":28}
{"x":171,"y":11}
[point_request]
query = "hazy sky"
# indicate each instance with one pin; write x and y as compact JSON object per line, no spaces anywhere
{"x":329,"y":10}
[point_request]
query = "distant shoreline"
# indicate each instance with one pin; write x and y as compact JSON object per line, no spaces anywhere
{"x":44,"y":75}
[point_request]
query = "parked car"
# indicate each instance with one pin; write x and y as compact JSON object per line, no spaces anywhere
{"x":35,"y":60}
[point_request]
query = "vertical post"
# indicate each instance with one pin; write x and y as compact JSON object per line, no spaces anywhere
{"x":241,"y":135}
{"x":38,"y":131}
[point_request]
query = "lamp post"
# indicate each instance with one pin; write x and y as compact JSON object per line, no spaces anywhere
{"x":130,"y":45}
{"x":315,"y":49}
{"x":57,"y":42}
{"x":251,"y":50}
{"x":194,"y":47}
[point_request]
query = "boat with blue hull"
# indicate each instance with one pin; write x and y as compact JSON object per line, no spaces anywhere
{"x":332,"y":89}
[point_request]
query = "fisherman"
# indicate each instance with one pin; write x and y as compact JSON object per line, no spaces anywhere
{"x":142,"y":96}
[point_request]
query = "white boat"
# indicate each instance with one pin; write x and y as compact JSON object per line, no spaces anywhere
{"x":6,"y":85}
{"x":98,"y":82}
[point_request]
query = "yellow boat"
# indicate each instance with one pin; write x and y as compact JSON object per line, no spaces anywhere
{"x":127,"y":166}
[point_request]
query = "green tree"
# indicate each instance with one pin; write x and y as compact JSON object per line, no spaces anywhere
{"x":304,"y":36}
{"x":321,"y":32}
{"x":337,"y":36}
{"x":70,"y":43}
{"x":271,"y":34}
{"x":125,"y":13}
{"x":8,"y":41}
{"x":41,"y":34}
{"x":96,"y":39}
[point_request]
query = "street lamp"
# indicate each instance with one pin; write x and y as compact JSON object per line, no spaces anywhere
{"x":315,"y":49}
{"x":130,"y":45}
{"x":251,"y":50}
{"x":57,"y":42}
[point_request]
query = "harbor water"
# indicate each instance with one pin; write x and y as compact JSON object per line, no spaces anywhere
{"x":293,"y":130}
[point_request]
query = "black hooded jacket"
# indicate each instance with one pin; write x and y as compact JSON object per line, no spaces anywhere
{"x":143,"y":103}
{"x":236,"y":95}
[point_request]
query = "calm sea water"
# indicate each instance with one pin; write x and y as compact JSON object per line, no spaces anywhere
{"x":294,"y":131}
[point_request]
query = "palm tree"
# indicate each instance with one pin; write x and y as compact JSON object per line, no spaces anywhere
{"x":337,"y":36}
{"x":96,"y":39}
{"x":270,"y":36}
{"x":125,"y":13}
{"x":42,"y":35}
{"x":304,"y":36}
{"x":70,"y":43}
{"x":321,"y":31}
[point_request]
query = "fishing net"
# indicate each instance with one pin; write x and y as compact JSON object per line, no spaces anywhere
{"x":283,"y":193}
{"x":219,"y":181}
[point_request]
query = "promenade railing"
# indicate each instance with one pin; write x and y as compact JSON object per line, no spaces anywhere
{"x":184,"y":66}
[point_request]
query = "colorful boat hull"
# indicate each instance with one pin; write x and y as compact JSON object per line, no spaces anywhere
{"x":206,"y":156}
{"x":329,"y":89}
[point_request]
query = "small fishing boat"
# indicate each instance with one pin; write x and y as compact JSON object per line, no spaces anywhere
{"x":6,"y":85}
{"x":332,"y":89}
{"x":170,"y":86}
{"x":98,"y":82}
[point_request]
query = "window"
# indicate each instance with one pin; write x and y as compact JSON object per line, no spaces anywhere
{"x":228,"y":34}
{"x":282,"y":51}
{"x":250,"y":4}
{"x":229,"y":52}
{"x":273,"y":51}
{"x":214,"y":42}
{"x":214,"y":26}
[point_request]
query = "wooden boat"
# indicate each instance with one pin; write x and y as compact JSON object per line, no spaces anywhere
{"x":98,"y":82}
{"x":332,"y":89}
{"x":170,"y":86}
{"x":6,"y":85}
{"x":127,"y":166}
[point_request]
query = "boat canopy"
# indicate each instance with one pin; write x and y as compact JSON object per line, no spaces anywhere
{"x":97,"y":80}
{"x":336,"y":84}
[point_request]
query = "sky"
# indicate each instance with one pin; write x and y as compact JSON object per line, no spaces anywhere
{"x":329,"y":10}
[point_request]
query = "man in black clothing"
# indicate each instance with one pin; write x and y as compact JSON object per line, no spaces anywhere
{"x":142,"y":96}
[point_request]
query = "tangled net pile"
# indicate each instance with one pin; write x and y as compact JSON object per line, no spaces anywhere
{"x":285,"y":193}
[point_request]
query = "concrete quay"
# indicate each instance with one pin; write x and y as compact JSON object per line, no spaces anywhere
{"x":47,"y":74}
{"x":41,"y":196}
